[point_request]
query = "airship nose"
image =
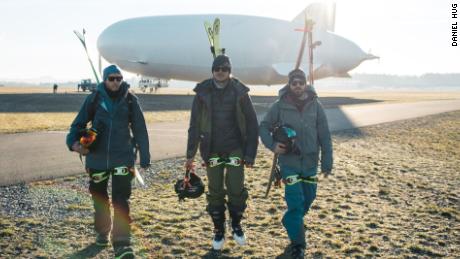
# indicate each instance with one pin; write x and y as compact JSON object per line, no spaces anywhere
{"x":105,"y":45}
{"x":117,"y":44}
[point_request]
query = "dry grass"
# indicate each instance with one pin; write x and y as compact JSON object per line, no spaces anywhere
{"x":21,"y":90}
{"x":394,"y":194}
{"x":395,"y":96}
{"x":60,"y":121}
{"x":27,"y":122}
{"x":166,"y":116}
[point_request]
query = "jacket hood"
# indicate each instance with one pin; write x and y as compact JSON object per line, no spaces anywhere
{"x":109,"y":104}
{"x":101,"y":89}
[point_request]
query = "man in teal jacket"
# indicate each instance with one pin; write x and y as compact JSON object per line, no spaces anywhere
{"x":298,"y":109}
{"x":114,"y":113}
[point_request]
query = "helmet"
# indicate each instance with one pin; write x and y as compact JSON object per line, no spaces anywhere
{"x":190,"y":187}
{"x":87,"y":137}
{"x":286,"y":135}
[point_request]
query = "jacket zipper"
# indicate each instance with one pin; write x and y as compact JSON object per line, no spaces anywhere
{"x":108,"y":144}
{"x":302,"y":144}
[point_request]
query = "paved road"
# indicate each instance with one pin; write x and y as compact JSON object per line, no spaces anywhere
{"x":41,"y":155}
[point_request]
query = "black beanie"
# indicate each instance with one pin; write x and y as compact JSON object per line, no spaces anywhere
{"x":222,"y":61}
{"x":297,"y":74}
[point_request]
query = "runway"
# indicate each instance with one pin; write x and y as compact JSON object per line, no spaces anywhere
{"x":44,"y":155}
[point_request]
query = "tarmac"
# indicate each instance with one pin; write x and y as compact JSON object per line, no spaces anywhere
{"x":43,"y":155}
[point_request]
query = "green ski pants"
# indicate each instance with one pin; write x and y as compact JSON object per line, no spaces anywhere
{"x":233,"y":177}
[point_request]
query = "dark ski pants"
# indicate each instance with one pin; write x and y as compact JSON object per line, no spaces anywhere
{"x":233,"y":177}
{"x":121,"y":192}
{"x":299,"y":197}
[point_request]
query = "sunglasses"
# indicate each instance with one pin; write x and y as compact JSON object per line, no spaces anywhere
{"x":294,"y":83}
{"x":223,"y":69}
{"x":113,"y":78}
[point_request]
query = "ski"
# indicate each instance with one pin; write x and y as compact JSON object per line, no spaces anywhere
{"x":81,"y":37}
{"x":275,"y":176}
{"x":209,"y":31}
{"x":213,"y":32}
{"x":216,"y":37}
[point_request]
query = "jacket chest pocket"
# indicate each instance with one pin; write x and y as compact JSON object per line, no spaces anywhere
{"x":101,"y":119}
{"x":122,"y":114}
{"x":309,"y":121}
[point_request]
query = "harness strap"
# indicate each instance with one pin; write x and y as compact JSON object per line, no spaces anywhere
{"x":215,"y":161}
{"x":294,"y":179}
{"x":234,"y":161}
{"x":228,"y":161}
{"x":122,"y":170}
{"x":98,"y":177}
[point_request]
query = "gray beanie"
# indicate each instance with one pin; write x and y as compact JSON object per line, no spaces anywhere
{"x":297,"y":74}
{"x":222,"y":61}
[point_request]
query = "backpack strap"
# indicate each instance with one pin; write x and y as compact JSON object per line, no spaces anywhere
{"x":277,"y":123}
{"x":93,"y":106}
{"x":129,"y":99}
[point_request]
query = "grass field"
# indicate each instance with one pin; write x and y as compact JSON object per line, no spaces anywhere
{"x":394,"y":194}
{"x":60,"y":121}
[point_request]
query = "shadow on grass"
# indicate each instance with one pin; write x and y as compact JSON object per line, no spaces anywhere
{"x":88,"y":252}
{"x":285,"y":254}
{"x":211,"y":254}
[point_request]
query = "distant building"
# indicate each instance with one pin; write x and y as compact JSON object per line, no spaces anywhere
{"x":152,"y":84}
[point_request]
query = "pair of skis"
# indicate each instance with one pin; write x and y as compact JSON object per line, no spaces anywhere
{"x":213,"y":32}
{"x":307,"y":33}
{"x":81,"y":37}
{"x":275,"y":174}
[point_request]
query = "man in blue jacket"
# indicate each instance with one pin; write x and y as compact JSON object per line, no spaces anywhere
{"x":114,"y":113}
{"x":302,"y":116}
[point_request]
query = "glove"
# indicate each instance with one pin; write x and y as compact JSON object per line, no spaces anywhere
{"x":189,"y":164}
{"x":77,"y":147}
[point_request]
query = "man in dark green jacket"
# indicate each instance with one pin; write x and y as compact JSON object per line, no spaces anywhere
{"x":302,"y":115}
{"x":224,"y":125}
{"x":114,"y":113}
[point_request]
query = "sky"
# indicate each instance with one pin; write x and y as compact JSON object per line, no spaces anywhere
{"x":37,"y":41}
